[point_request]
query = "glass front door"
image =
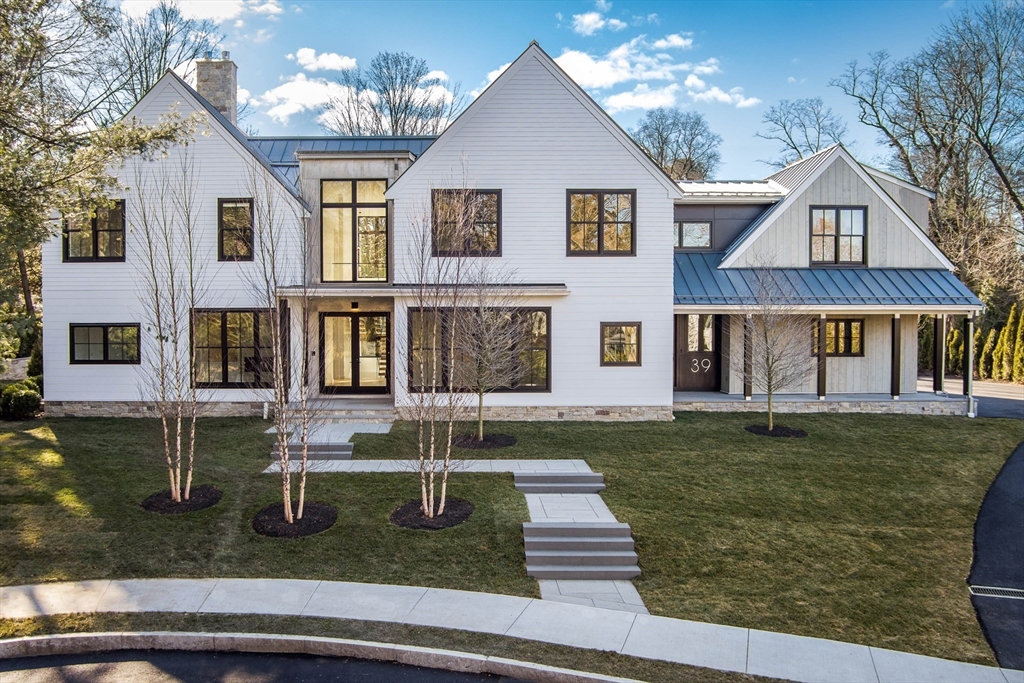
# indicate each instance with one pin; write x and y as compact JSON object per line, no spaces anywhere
{"x":354,"y":353}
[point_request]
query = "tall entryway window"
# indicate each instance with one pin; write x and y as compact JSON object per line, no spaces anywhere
{"x":354,"y":353}
{"x":354,"y":230}
{"x":698,"y":356}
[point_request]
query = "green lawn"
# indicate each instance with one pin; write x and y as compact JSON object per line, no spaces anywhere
{"x":861,"y":532}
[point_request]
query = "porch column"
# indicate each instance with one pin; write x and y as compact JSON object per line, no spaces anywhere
{"x":939,"y":362}
{"x":896,"y":357}
{"x":822,"y":364}
{"x":968,"y":363}
{"x":285,"y":323}
{"x":748,"y":357}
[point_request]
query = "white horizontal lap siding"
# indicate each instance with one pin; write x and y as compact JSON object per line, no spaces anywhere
{"x":101,"y":292}
{"x":890,"y":242}
{"x":534,"y":140}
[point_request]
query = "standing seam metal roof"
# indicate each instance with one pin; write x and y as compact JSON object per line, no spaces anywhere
{"x":699,"y":282}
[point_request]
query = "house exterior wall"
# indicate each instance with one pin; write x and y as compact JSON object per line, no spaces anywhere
{"x":534,"y":140}
{"x":890,"y":243}
{"x":867,"y":374}
{"x":914,"y":203}
{"x":728,"y":221}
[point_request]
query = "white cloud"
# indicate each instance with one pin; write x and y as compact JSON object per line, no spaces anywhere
{"x":299,"y":94}
{"x":438,"y":75}
{"x":491,"y":77}
{"x":217,"y":11}
{"x":309,"y":60}
{"x":603,"y":5}
{"x":588,"y":23}
{"x":627,"y":62}
{"x":715,"y":94}
{"x":270,"y":8}
{"x":694,"y":82}
{"x":261,"y":36}
{"x":616,"y":25}
{"x":673,"y":40}
{"x":642,"y":97}
{"x":707,"y":67}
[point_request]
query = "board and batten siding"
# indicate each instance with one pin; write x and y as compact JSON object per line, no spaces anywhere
{"x":867,"y":374}
{"x":533,"y":139}
{"x":786,"y":243}
{"x":914,"y":203}
{"x":113,"y":292}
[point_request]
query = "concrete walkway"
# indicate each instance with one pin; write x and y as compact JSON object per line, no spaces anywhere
{"x":726,"y":648}
{"x":994,"y":399}
{"x":328,"y":466}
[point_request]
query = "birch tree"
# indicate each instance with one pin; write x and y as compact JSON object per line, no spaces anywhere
{"x":170,"y":262}
{"x":781,"y":334}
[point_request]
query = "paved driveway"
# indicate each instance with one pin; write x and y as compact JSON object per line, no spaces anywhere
{"x":995,"y":399}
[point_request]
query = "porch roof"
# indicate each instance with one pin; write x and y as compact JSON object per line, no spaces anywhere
{"x":699,"y":282}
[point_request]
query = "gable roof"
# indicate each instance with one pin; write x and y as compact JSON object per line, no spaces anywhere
{"x":173,"y":80}
{"x":797,"y":177}
{"x":534,"y":51}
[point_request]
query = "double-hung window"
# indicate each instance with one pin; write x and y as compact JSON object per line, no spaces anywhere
{"x":99,"y":238}
{"x":838,"y":234}
{"x":234,"y":229}
{"x":108,"y":344}
{"x":620,"y":343}
{"x":842,"y":337}
{"x":601,"y":222}
{"x":354,"y":230}
{"x":232,"y":348}
{"x":466,"y":222}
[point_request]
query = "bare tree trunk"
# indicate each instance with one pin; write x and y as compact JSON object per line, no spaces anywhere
{"x":26,"y":288}
{"x":480,"y":416}
{"x":771,"y":420}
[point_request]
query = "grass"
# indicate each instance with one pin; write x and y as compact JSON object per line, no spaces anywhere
{"x":70,"y":491}
{"x":607,"y":663}
{"x":861,"y":532}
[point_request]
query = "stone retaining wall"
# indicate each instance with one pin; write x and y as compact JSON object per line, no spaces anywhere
{"x":946,"y":407}
{"x":144,"y":409}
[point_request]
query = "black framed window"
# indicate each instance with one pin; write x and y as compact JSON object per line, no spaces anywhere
{"x":232,"y":348}
{"x":99,"y":238}
{"x":838,"y":234}
{"x":354,"y":230}
{"x":429,"y":343}
{"x":693,"y":234}
{"x":108,"y":344}
{"x":234,"y":229}
{"x":466,"y":222}
{"x":843,"y":337}
{"x":601,"y":222}
{"x":620,"y":343}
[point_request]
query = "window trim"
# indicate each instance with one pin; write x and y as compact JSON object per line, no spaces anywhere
{"x":119,"y":204}
{"x":106,"y":344}
{"x":836,"y":321}
{"x":221,"y":201}
{"x":600,"y":223}
{"x":223,"y":347}
{"x":445,"y":331}
{"x":470,"y":253}
{"x":810,"y":233}
{"x":355,"y":205}
{"x":639,"y":344}
{"x":711,"y":236}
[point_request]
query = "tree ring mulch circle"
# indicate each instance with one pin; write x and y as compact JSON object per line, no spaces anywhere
{"x":316,"y":517}
{"x":409,"y":515}
{"x":490,"y":441}
{"x":199,"y":498}
{"x":779,"y":431}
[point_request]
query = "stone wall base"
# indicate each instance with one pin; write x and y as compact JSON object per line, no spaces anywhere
{"x":882,"y":407}
{"x":556,"y":413}
{"x":145,"y":409}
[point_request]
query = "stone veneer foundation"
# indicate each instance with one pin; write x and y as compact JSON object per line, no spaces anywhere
{"x":568,"y":413}
{"x":144,"y":409}
{"x":882,"y":407}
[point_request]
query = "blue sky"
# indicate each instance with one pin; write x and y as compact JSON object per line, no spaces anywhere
{"x":727,"y":60}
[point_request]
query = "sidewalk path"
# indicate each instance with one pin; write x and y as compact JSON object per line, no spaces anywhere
{"x":727,"y":648}
{"x":328,"y":466}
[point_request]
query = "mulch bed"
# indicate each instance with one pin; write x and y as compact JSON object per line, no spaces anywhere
{"x":316,"y":517}
{"x":199,"y":498}
{"x":409,"y":515}
{"x":780,"y":431}
{"x":490,"y":441}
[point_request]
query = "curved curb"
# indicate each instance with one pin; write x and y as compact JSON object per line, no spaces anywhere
{"x":448,"y":660}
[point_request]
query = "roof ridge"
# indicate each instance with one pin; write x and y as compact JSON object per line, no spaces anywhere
{"x":797,"y":162}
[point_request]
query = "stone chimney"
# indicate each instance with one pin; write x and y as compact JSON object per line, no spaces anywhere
{"x":217,"y":82}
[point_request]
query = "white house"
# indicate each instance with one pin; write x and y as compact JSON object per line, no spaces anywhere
{"x":630,"y":279}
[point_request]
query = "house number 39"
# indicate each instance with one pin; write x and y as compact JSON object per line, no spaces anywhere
{"x":700,"y":365}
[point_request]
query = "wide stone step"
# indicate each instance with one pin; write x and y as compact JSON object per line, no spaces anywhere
{"x":581,"y":558}
{"x":559,"y":488}
{"x":556,"y":477}
{"x":578,"y":543}
{"x":576,"y":530}
{"x":583,"y":573}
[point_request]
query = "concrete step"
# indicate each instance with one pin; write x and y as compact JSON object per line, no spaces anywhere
{"x":581,"y":558}
{"x":317,"y":447}
{"x":594,"y":573}
{"x":578,"y":543}
{"x":348,"y":417}
{"x":576,"y":530}
{"x":556,"y":477}
{"x":559,"y":488}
